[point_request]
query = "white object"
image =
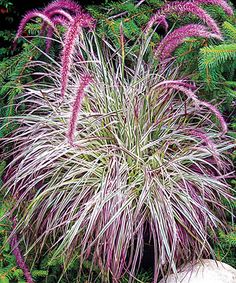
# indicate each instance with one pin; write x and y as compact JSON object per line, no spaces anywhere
{"x":206,"y":271}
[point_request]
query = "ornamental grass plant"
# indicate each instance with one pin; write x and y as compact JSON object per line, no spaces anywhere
{"x":113,"y":151}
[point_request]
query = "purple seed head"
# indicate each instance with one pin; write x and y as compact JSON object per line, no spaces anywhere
{"x":171,"y":41}
{"x":190,"y":94}
{"x":81,"y":20}
{"x":49,"y":39}
{"x":177,"y":82}
{"x":58,"y":17}
{"x":182,"y":8}
{"x":59,"y":12}
{"x":158,"y":19}
{"x":58,"y":8}
{"x":181,"y":87}
{"x":63,"y":4}
{"x":84,"y":82}
{"x":218,"y":115}
{"x":221,"y":3}
{"x":30,"y":15}
{"x":18,"y":255}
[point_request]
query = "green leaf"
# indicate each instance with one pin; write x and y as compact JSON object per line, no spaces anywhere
{"x":4,"y":279}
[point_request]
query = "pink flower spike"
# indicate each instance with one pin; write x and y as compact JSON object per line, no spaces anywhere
{"x":84,"y":82}
{"x":63,"y":4}
{"x":59,"y":12}
{"x":81,"y":20}
{"x":159,"y":20}
{"x":28,"y":17}
{"x":64,"y":19}
{"x":163,"y":22}
{"x":202,"y":136}
{"x":171,"y":41}
{"x":221,"y":3}
{"x":58,"y":20}
{"x":217,"y":113}
{"x":177,"y":82}
{"x":209,"y":143}
{"x":18,"y":255}
{"x":179,"y":87}
{"x":183,"y":8}
{"x":49,"y":39}
{"x":58,"y":17}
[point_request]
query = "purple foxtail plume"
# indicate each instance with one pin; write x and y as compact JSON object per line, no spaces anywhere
{"x":190,"y":94}
{"x":81,"y":20}
{"x":49,"y":40}
{"x":209,"y":143}
{"x":58,"y":6}
{"x":18,"y":255}
{"x":182,"y":8}
{"x":171,"y":41}
{"x":202,"y":136}
{"x":56,"y":20}
{"x":177,"y":82}
{"x":28,"y":17}
{"x":63,"y":4}
{"x":179,"y":87}
{"x":59,"y":12}
{"x":217,"y":113}
{"x":158,"y":19}
{"x":163,"y":22}
{"x":58,"y":16}
{"x":221,"y":3}
{"x":84,"y":82}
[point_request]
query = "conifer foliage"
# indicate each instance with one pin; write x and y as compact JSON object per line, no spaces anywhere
{"x":213,"y":58}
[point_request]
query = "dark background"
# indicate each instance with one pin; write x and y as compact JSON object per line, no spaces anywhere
{"x":9,"y":19}
{"x":24,"y":5}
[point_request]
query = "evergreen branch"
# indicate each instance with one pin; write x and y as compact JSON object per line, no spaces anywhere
{"x":230,"y":30}
{"x":125,"y":12}
{"x":212,"y":57}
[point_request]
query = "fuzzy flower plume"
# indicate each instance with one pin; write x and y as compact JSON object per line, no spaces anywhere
{"x":59,"y":12}
{"x":221,"y":3}
{"x":84,"y":82}
{"x":30,"y":15}
{"x":190,"y":94}
{"x":66,"y":9}
{"x":217,"y":113}
{"x":163,"y":22}
{"x":58,"y":16}
{"x":179,"y":87}
{"x":81,"y":20}
{"x":183,"y":8}
{"x":158,"y":19}
{"x":171,"y":41}
{"x":209,"y":144}
{"x":200,"y":134}
{"x":177,"y":82}
{"x":57,"y":20}
{"x":18,"y":255}
{"x":69,"y":5}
